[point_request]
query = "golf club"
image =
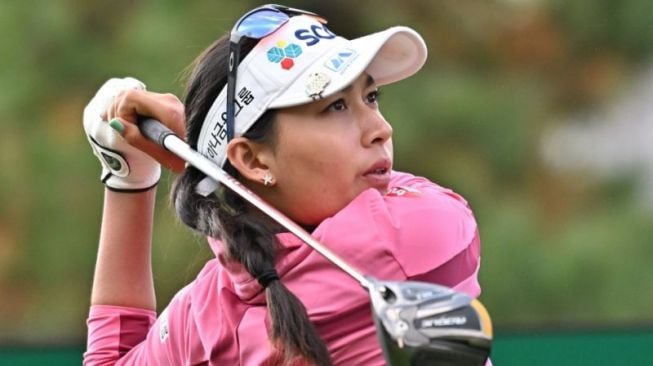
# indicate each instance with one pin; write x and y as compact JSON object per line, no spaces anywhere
{"x":417,"y":323}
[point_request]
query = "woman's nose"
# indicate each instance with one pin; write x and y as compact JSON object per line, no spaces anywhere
{"x":376,"y":130}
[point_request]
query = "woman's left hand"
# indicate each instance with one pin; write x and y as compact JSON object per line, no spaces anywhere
{"x":131,"y":104}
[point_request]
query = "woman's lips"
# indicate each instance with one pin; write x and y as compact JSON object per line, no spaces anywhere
{"x":378,"y":175}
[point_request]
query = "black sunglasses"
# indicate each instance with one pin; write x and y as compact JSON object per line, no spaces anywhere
{"x":255,"y":24}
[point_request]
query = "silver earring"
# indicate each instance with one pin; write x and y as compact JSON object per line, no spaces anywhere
{"x":267,"y":178}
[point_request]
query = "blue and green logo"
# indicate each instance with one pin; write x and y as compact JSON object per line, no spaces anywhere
{"x":284,"y":54}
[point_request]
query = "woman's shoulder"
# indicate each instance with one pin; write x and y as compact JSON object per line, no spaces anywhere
{"x":415,"y":221}
{"x":201,"y":289}
{"x":402,"y":183}
{"x":409,"y":202}
{"x":409,"y":196}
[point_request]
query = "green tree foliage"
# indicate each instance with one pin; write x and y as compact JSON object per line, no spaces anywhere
{"x":558,"y":249}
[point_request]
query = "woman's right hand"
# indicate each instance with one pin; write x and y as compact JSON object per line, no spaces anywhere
{"x":130,"y":162}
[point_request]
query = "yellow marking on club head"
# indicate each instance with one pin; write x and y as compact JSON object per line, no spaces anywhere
{"x":486,"y":322}
{"x":282,"y":44}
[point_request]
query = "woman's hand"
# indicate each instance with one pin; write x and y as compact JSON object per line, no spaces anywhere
{"x":124,"y":167}
{"x":130,"y":104}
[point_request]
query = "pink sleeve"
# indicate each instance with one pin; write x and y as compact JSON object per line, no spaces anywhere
{"x":438,"y":241}
{"x":131,"y":336}
{"x":418,"y":231}
{"x":113,"y":331}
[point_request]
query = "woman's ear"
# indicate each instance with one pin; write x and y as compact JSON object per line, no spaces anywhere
{"x":250,"y":159}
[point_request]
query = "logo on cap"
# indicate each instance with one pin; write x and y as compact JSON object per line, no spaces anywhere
{"x":341,"y":60}
{"x":284,"y":53}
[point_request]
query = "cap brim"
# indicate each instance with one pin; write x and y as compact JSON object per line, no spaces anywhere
{"x":388,"y":56}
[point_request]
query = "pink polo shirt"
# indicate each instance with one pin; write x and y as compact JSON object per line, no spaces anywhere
{"x":418,"y":231}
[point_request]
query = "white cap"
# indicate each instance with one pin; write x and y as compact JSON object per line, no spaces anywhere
{"x":301,"y":62}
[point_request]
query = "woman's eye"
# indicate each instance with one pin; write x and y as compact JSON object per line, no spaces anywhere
{"x":338,"y":105}
{"x":373,"y":97}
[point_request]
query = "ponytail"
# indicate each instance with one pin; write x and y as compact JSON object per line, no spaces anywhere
{"x":249,"y":238}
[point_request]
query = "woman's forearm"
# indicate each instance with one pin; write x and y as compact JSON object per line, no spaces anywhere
{"x":123,"y":271}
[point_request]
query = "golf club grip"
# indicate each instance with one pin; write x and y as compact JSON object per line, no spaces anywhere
{"x":154,"y":130}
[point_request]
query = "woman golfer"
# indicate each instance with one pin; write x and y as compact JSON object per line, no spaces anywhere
{"x":296,"y":120}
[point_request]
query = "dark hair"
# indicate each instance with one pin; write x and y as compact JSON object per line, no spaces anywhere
{"x":249,"y":237}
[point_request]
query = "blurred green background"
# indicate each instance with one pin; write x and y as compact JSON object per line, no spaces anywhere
{"x":512,"y":110}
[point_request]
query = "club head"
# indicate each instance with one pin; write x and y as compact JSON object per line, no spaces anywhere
{"x":426,"y":324}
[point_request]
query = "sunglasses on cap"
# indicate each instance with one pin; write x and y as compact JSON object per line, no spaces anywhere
{"x":255,"y":24}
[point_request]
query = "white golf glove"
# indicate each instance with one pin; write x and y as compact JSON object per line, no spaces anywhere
{"x":124,"y":168}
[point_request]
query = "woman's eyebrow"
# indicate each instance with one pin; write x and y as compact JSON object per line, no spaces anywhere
{"x":370,"y":81}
